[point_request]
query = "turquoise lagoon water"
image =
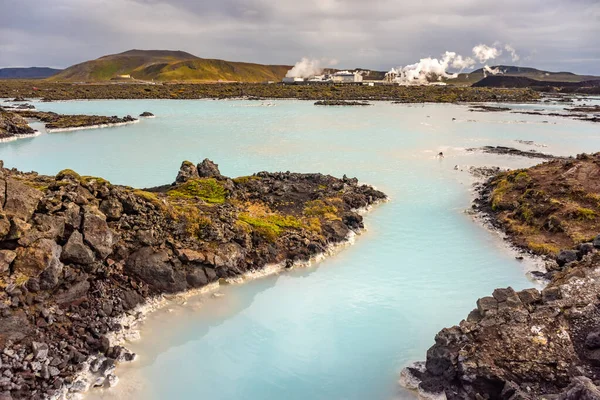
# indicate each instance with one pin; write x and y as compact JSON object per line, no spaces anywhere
{"x":342,"y":329}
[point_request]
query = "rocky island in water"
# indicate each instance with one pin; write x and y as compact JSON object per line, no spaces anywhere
{"x":78,"y":255}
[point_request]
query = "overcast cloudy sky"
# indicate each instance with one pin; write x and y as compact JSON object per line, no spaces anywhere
{"x":378,"y":34}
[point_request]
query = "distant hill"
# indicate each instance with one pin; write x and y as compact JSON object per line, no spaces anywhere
{"x":27,"y":73}
{"x":165,"y":65}
{"x":523,"y":72}
{"x":506,"y":81}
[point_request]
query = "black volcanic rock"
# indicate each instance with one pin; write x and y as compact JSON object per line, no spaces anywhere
{"x":78,"y":254}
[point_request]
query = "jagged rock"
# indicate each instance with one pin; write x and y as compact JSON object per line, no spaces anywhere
{"x":40,"y":351}
{"x":196,"y":278}
{"x":6,"y":258}
{"x":189,"y":255}
{"x":122,"y":246}
{"x":530,"y":296}
{"x":208,"y":169}
{"x":97,"y":234}
{"x":112,"y":208}
{"x":112,"y":380}
{"x":566,"y":256}
{"x":146,"y":114}
{"x":581,"y":388}
{"x":21,"y":200}
{"x":15,"y":326}
{"x":585,"y":248}
{"x":76,"y":292}
{"x":120,"y":354}
{"x":502,"y":295}
{"x":486,"y":305}
{"x":18,"y":229}
{"x":73,"y":216}
{"x":596,"y":242}
{"x":187,"y":171}
{"x":153,"y":267}
{"x":4,"y":225}
{"x":44,"y":227}
{"x":551,"y":294}
{"x":76,"y":251}
{"x":592,"y":341}
{"x":32,"y":261}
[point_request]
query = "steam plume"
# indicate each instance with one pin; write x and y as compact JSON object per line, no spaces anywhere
{"x":484,"y":53}
{"x":513,"y":53}
{"x":305,"y":68}
{"x":489,"y":70}
{"x":428,"y":69}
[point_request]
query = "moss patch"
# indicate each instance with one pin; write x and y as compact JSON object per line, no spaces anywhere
{"x":68,"y":174}
{"x":325,"y":209}
{"x":208,"y":189}
{"x":246,"y":179}
{"x":543,"y":248}
{"x":149,"y":197}
{"x":267,"y":223}
{"x":195,"y":221}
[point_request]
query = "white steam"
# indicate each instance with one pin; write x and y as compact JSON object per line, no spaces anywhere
{"x":513,"y":53}
{"x":485,"y":53}
{"x":431,"y":69}
{"x":305,"y":68}
{"x":428,"y":69}
{"x":461,"y":63}
{"x":489,"y":70}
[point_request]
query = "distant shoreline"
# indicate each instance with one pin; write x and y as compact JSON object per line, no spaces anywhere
{"x":53,"y":91}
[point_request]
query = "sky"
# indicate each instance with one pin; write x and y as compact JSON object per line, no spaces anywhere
{"x":555,"y":35}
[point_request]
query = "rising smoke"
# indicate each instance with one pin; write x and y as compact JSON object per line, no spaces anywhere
{"x":431,"y":69}
{"x":307,"y":67}
{"x":484,"y":53}
{"x":513,"y":53}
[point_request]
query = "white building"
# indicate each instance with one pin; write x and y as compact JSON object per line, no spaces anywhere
{"x":346,"y":77}
{"x":292,"y":80}
{"x":319,"y":78}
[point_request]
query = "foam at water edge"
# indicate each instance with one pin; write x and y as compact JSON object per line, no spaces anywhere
{"x":132,"y":319}
{"x":81,"y":128}
{"x":18,"y":136}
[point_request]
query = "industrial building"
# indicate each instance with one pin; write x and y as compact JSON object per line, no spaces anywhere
{"x":347,"y":77}
{"x":336,"y":77}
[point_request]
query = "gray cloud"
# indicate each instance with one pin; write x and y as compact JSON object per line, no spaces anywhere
{"x":550,"y":34}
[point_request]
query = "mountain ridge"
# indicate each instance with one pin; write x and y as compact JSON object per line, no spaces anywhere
{"x":168,"y":66}
{"x":27,"y":72}
{"x":524,"y":72}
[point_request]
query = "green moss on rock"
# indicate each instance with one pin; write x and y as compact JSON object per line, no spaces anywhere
{"x":207,"y":189}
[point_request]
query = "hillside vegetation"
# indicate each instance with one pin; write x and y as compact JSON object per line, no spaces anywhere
{"x":164,"y":65}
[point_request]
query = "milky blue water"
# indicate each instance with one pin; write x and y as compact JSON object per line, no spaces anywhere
{"x":342,"y":329}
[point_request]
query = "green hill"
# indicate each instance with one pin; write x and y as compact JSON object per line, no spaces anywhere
{"x":165,"y":65}
{"x":523,"y":72}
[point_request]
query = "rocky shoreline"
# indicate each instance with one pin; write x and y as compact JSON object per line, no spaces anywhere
{"x":341,"y":103}
{"x":13,"y":126}
{"x":79,"y":256}
{"x":530,"y":344}
{"x":510,"y":151}
{"x":403,"y":94}
{"x":60,"y":122}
